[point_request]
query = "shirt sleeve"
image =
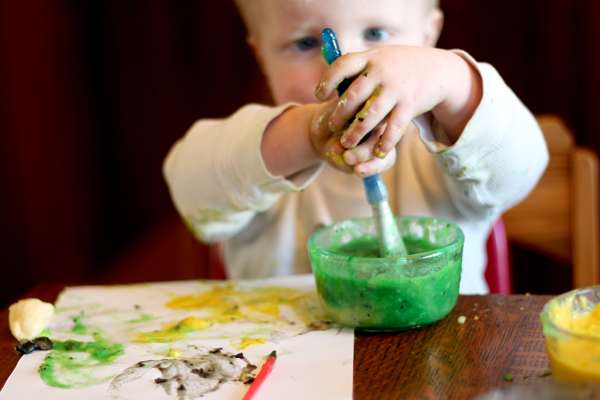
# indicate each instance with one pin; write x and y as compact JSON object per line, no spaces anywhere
{"x":217,"y":177}
{"x":500,"y":155}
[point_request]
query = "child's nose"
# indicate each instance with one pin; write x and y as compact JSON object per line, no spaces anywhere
{"x":352,"y":44}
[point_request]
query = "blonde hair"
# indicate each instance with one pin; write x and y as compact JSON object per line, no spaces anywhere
{"x":249,"y":11}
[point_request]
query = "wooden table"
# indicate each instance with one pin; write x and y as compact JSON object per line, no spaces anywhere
{"x":501,"y":337}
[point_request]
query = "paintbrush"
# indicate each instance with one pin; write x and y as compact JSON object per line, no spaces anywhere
{"x":262,"y":375}
{"x":390,"y":240}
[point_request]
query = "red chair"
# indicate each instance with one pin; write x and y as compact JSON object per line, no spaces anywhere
{"x":497,"y":272}
{"x":216,"y":267}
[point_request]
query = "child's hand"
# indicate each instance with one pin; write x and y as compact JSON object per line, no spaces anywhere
{"x":327,"y":143}
{"x":391,"y":86}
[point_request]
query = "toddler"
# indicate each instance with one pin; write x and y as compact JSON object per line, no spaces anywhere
{"x":261,"y":180}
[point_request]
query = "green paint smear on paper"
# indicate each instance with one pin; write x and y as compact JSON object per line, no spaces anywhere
{"x":141,"y":318}
{"x":78,"y":326}
{"x":71,"y":362}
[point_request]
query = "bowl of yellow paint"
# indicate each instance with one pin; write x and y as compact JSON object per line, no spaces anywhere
{"x":571,"y":325}
{"x":360,"y":289}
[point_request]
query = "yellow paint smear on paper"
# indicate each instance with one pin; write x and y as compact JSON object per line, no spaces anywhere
{"x":174,"y":331}
{"x":226,"y":303}
{"x":247,"y":342}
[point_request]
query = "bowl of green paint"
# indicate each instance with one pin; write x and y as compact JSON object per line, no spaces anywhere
{"x":362,"y":290}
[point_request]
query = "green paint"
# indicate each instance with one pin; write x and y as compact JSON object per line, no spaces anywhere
{"x":360,"y":289}
{"x":78,"y":326}
{"x":141,"y":318}
{"x":73,"y":364}
{"x":368,"y":246}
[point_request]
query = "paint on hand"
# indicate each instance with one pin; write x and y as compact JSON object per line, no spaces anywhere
{"x":333,"y":128}
{"x":336,"y":158}
{"x":320,"y":89}
{"x":378,"y":153}
{"x":317,"y":123}
{"x":364,"y":112}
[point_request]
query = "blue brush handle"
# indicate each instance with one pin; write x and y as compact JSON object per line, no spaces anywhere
{"x":331,"y":52}
{"x":376,"y":192}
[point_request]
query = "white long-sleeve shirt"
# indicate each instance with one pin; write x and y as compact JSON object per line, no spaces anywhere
{"x":224,"y":192}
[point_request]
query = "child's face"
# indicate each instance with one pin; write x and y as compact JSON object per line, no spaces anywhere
{"x":286,"y":39}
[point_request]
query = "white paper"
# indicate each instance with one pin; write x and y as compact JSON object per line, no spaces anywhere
{"x":314,"y":364}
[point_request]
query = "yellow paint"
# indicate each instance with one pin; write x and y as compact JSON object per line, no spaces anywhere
{"x":173,"y":353}
{"x":335,"y":157}
{"x":583,"y":324}
{"x":226,"y":303}
{"x":247,"y":342}
{"x":378,"y":153}
{"x":575,"y":357}
{"x":174,"y":331}
{"x":362,"y":114}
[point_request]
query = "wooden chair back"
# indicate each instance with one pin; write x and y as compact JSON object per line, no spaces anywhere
{"x":560,"y":217}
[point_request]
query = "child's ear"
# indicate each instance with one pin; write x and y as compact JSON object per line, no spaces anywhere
{"x":433,"y":27}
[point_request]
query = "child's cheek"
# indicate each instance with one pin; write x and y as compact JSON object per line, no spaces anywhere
{"x":294,"y":85}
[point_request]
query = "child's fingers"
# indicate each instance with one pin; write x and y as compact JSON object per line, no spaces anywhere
{"x":396,"y":125}
{"x":348,"y":105}
{"x":346,"y":66}
{"x":334,"y":151}
{"x":375,"y":165}
{"x":373,"y":112}
{"x":319,"y":128}
{"x":364,"y":152}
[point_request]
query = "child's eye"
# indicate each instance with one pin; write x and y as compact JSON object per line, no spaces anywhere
{"x":375,"y":35}
{"x":307,"y":43}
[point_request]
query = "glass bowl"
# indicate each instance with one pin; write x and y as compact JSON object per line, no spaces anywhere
{"x":571,"y":325}
{"x":359,"y":289}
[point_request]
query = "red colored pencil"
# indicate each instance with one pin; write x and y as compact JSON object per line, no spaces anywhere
{"x":262,"y":375}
